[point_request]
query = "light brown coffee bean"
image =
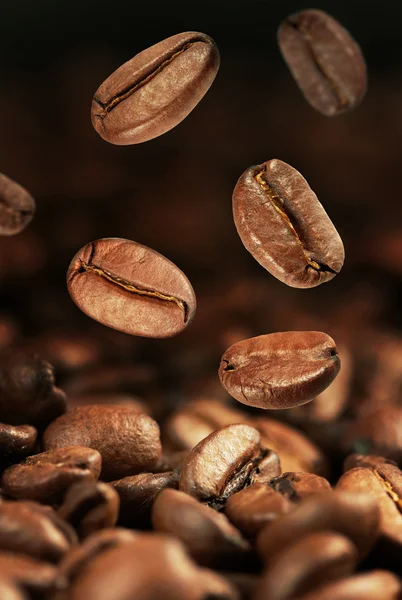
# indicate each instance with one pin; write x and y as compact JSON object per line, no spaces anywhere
{"x":316,"y":558}
{"x":284,"y":226}
{"x":132,"y":443}
{"x":17,"y":206}
{"x":154,"y":91}
{"x":279,"y":370}
{"x":375,"y":585}
{"x":45,"y":477}
{"x":325,"y":61}
{"x":131,"y":288}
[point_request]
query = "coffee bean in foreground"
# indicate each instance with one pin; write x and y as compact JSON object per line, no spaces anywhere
{"x":325,"y":61}
{"x":131,"y":288}
{"x":284,"y":226}
{"x":280,"y":370}
{"x":17,"y":206}
{"x":154,"y":91}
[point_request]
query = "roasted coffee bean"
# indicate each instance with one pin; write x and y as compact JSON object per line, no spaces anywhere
{"x":325,"y":61}
{"x":296,"y":486}
{"x":17,"y":207}
{"x":132,"y":443}
{"x":297,"y":452}
{"x":131,"y":288}
{"x":90,"y":506}
{"x":375,"y":585}
{"x":279,"y":370}
{"x":149,"y":568}
{"x":137,"y":494}
{"x":16,"y":441}
{"x":154,"y":91}
{"x":45,"y":477}
{"x":316,"y":558}
{"x":28,"y":395}
{"x":207,"y":534}
{"x":371,"y":461}
{"x":35,"y":577}
{"x":284,"y":226}
{"x":255,"y":506}
{"x":31,"y":529}
{"x":222,"y":464}
{"x":355,"y":516}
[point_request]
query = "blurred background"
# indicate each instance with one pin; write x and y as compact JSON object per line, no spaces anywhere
{"x":174,"y":193}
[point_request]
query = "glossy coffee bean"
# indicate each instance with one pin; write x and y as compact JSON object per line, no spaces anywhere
{"x":279,"y":370}
{"x":131,"y":288}
{"x":90,"y":506}
{"x":296,"y":486}
{"x":16,"y":441}
{"x":222,"y":463}
{"x":316,"y":558}
{"x":17,"y":206}
{"x":355,"y":516}
{"x":284,"y":226}
{"x":45,"y":477}
{"x":132,"y":443}
{"x":325,"y":61}
{"x":206,"y":533}
{"x":28,"y":395}
{"x":375,"y":585}
{"x":154,"y":91}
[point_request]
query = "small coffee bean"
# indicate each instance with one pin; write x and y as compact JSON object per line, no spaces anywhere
{"x":45,"y":477}
{"x":208,"y":535}
{"x":131,"y":288}
{"x":90,"y":506}
{"x":255,"y":506}
{"x":17,"y":206}
{"x":296,"y":486}
{"x":279,"y":370}
{"x":137,"y":494}
{"x":28,"y":395}
{"x":316,"y":558}
{"x":325,"y":61}
{"x":154,"y":91}
{"x":284,"y":226}
{"x":132,"y":444}
{"x":375,"y":585}
{"x":355,"y":516}
{"x":222,"y":463}
{"x":16,"y":441}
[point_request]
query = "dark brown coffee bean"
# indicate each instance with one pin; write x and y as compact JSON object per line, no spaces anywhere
{"x":131,"y":288}
{"x":131,"y":445}
{"x":296,"y":451}
{"x":17,"y":207}
{"x":317,"y":558}
{"x":33,"y":576}
{"x":27,"y":391}
{"x":375,"y":585}
{"x":16,"y":441}
{"x":255,"y":506}
{"x":154,"y":91}
{"x":284,"y":226}
{"x":137,"y":494}
{"x":207,"y":534}
{"x":325,"y":61}
{"x":90,"y":506}
{"x":355,"y":516}
{"x":31,"y":529}
{"x":222,"y":463}
{"x":296,"y":486}
{"x":45,"y":477}
{"x":279,"y":370}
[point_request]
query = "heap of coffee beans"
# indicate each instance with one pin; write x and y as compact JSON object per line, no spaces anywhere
{"x":138,"y":477}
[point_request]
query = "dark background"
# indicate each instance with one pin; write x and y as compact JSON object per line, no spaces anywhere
{"x":174,"y":193}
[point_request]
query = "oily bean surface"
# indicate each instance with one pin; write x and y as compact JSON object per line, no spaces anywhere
{"x":154,"y":91}
{"x":325,"y":61}
{"x":129,"y":442}
{"x":284,"y":226}
{"x":131,"y":288}
{"x":17,"y":206}
{"x":279,"y":370}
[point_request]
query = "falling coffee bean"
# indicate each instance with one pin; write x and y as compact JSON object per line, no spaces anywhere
{"x":325,"y":61}
{"x":17,"y":207}
{"x":132,"y":288}
{"x":284,"y":226}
